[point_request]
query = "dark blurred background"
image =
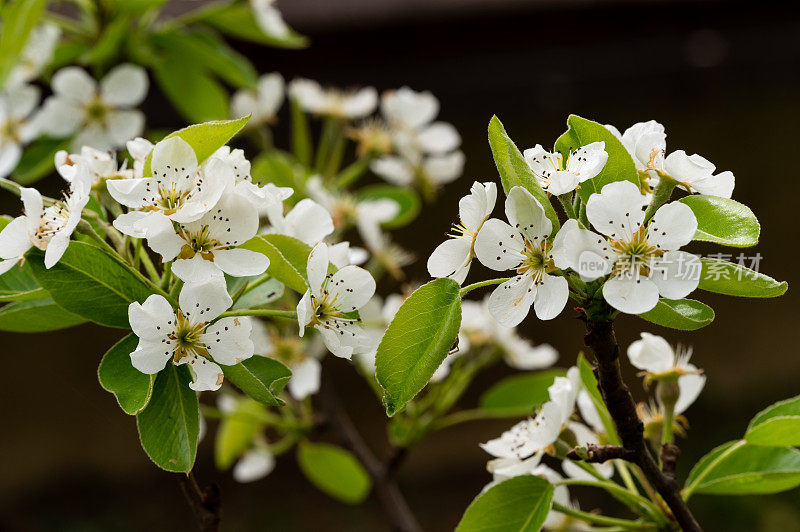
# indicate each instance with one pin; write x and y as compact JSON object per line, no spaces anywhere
{"x":721,"y":76}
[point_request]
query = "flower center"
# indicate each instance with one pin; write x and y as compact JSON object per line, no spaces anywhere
{"x":53,"y":220}
{"x":201,"y":241}
{"x":537,"y":259}
{"x":187,"y":338}
{"x":9,"y":130}
{"x":170,"y":199}
{"x":635,"y":255}
{"x":96,"y":111}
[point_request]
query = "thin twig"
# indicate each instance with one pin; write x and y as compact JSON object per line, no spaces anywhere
{"x":205,"y":504}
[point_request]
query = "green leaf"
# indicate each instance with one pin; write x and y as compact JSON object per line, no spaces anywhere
{"x":276,"y":167}
{"x":131,"y":387}
{"x":205,"y":138}
{"x":260,"y":296}
{"x":519,"y":504}
{"x":514,"y":171}
{"x":37,"y":160}
{"x":287,"y":258}
{"x":519,"y":394}
{"x":169,"y":425}
{"x":212,"y":52}
{"x":681,"y":314}
{"x":36,"y":315}
{"x":567,"y":143}
{"x":301,"y":137}
{"x":19,"y":19}
{"x":589,"y":382}
{"x":417,"y":341}
{"x":18,"y":284}
{"x":723,"y":221}
{"x":731,"y":279}
{"x":406,"y":199}
{"x":66,"y":53}
{"x":236,"y":432}
{"x":746,"y":469}
{"x":238,"y":22}
{"x":619,"y":167}
{"x":107,"y":47}
{"x":90,"y":283}
{"x":777,"y":425}
{"x":194,"y":93}
{"x":334,"y":471}
{"x":259,"y":377}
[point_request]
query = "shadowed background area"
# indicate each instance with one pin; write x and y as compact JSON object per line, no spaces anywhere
{"x":723,"y":79}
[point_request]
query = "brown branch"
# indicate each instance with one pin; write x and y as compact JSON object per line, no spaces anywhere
{"x":669,"y":458}
{"x":601,"y":341}
{"x":598,"y":454}
{"x":394,"y":504}
{"x":205,"y":504}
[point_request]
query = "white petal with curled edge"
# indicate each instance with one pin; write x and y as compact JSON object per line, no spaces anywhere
{"x":652,"y":353}
{"x":124,"y":125}
{"x":588,"y":161}
{"x":443,"y":169}
{"x":203,"y":302}
{"x":34,"y":207}
{"x":134,"y":193}
{"x":309,"y":222}
{"x":362,"y":103}
{"x":124,"y":86}
{"x":254,"y":464}
{"x":127,"y":223}
{"x":499,"y":246}
{"x":269,"y":19}
{"x":475,"y":207}
{"x":55,"y":250}
{"x":240,"y":262}
{"x":542,"y":163}
{"x":151,"y":356}
{"x":206,"y":375}
{"x":174,"y":162}
{"x":526,"y":214}
{"x":581,"y":250}
{"x":589,"y":412}
{"x":450,"y":258}
{"x":439,"y":137}
{"x":305,"y":312}
{"x":720,"y":185}
{"x":690,"y":386}
{"x":617,"y":210}
{"x":152,"y":320}
{"x":228,"y":340}
{"x":510,"y":302}
{"x":14,"y":239}
{"x":676,"y":274}
{"x":562,"y":182}
{"x":305,"y":378}
{"x":196,"y":270}
{"x":672,"y":227}
{"x":74,"y":84}
{"x":161,"y":236}
{"x":631,"y":294}
{"x":394,"y":169}
{"x":336,"y":343}
{"x":520,"y":354}
{"x":351,"y":288}
{"x":551,"y":297}
{"x":232,"y":221}
{"x":317,"y":268}
{"x":688,"y":169}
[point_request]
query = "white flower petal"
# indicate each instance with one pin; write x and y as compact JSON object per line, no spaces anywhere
{"x":305,"y":312}
{"x":127,"y":223}
{"x":587,"y":161}
{"x":475,"y":207}
{"x":14,"y":239}
{"x":240,"y":262}
{"x":174,"y":163}
{"x":123,"y":126}
{"x":499,"y":246}
{"x":351,"y":288}
{"x":206,"y":375}
{"x":551,"y":297}
{"x":510,"y":302}
{"x":720,"y":185}
{"x":196,"y":270}
{"x":74,"y":84}
{"x":305,"y":378}
{"x":160,"y":234}
{"x":254,"y":464}
{"x":124,"y":86}
{"x":151,"y":356}
{"x":451,"y":259}
{"x":228,"y":340}
{"x":631,"y":294}
{"x":10,"y":154}
{"x":581,"y":250}
{"x":443,"y":169}
{"x":688,"y":169}
{"x":394,"y":169}
{"x":134,"y":193}
{"x":676,"y":274}
{"x":409,"y":108}
{"x":153,"y":319}
{"x":55,"y":250}
{"x":526,"y":214}
{"x":652,"y":353}
{"x":203,"y":302}
{"x":439,"y":137}
{"x":690,"y":386}
{"x":617,"y":210}
{"x":673,"y":226}
{"x":59,"y":117}
{"x":317,"y":268}
{"x":361,"y":104}
{"x":309,"y":221}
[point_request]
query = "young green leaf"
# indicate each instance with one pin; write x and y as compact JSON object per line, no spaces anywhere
{"x":681,"y":314}
{"x":777,"y":425}
{"x":194,"y":93}
{"x":169,"y":425}
{"x":238,"y":22}
{"x":417,"y":341}
{"x":131,"y":387}
{"x":260,"y":296}
{"x":334,"y":471}
{"x":513,"y":169}
{"x":287,"y":258}
{"x":519,"y":504}
{"x":723,"y":221}
{"x":589,"y":382}
{"x":19,"y":284}
{"x":737,"y":468}
{"x":236,"y":431}
{"x":567,"y":143}
{"x":276,"y":167}
{"x":619,"y":167}
{"x":406,"y":199}
{"x":259,"y":377}
{"x":731,"y":279}
{"x":36,"y":315}
{"x":19,"y":19}
{"x":518,"y":395}
{"x":90,"y":283}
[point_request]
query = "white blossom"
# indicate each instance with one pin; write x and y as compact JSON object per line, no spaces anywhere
{"x":331,"y":102}
{"x":35,"y":55}
{"x":643,"y":259}
{"x":102,"y":116}
{"x":524,"y":247}
{"x":262,"y":103}
{"x":254,"y":464}
{"x":307,"y":221}
{"x":191,"y":334}
{"x":559,"y":177}
{"x":269,"y":19}
{"x":453,"y":257}
{"x":139,"y":148}
{"x":17,"y":128}
{"x":330,"y":298}
{"x":346,"y":208}
{"x":48,"y":229}
{"x":98,"y":165}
